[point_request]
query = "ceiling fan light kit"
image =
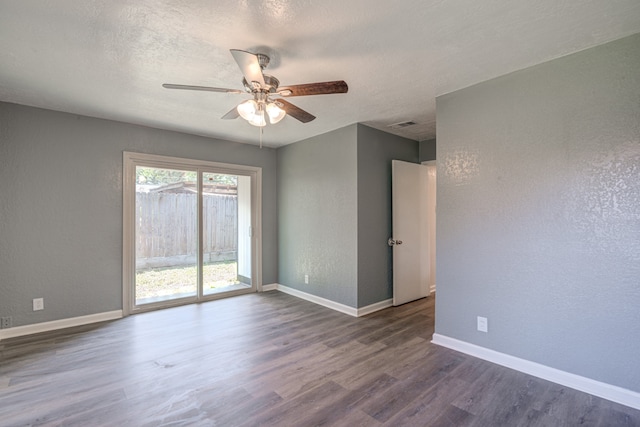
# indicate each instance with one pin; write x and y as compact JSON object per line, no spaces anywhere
{"x":252,"y":110}
{"x":262,"y":87}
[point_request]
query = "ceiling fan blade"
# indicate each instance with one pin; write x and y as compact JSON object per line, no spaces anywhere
{"x":232,"y":114}
{"x":321,"y":88}
{"x":203,"y":88}
{"x":249,"y":65}
{"x":295,"y":112}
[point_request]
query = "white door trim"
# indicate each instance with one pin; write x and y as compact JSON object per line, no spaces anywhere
{"x":431,"y":207}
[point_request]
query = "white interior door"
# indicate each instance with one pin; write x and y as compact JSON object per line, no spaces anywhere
{"x":410,"y":232}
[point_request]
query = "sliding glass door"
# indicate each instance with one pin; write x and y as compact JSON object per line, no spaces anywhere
{"x":166,"y":234}
{"x":226,"y":221}
{"x":189,"y":231}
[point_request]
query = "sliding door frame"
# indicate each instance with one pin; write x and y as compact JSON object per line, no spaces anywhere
{"x":130,"y":161}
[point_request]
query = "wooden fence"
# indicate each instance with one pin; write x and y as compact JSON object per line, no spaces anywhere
{"x":167,"y":228}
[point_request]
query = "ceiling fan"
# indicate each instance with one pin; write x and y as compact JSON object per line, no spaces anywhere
{"x":266,"y":91}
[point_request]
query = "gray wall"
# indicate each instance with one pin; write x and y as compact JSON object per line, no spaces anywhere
{"x":427,"y":150}
{"x":539,"y":213}
{"x":334,"y":211}
{"x":317,"y":215}
{"x":376,"y":149}
{"x":61,"y":207}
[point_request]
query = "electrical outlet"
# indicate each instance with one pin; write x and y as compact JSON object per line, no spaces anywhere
{"x":38,"y":304}
{"x":483,"y":324}
{"x":306,"y":279}
{"x":5,"y":322}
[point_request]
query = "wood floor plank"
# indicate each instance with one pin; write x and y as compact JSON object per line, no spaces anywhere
{"x":274,"y":360}
{"x":455,"y":417}
{"x":509,"y":401}
{"x":312,"y":405}
{"x":349,"y":404}
{"x":429,"y":405}
{"x":358,"y":374}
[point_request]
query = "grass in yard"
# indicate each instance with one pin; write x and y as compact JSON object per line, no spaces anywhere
{"x":182,"y":280}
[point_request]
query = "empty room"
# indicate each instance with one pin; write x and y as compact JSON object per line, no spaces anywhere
{"x":302,"y":213}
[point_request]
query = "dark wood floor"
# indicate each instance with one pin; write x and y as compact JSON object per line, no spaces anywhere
{"x":272,"y":359}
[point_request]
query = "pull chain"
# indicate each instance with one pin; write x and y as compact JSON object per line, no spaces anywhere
{"x":261,"y":137}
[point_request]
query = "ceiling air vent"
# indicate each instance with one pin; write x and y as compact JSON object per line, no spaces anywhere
{"x":402,"y":124}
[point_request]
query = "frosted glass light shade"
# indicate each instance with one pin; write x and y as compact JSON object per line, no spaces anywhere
{"x":275,"y":113}
{"x":247,"y":109}
{"x":258,"y":119}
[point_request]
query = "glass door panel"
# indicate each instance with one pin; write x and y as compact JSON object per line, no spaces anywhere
{"x":226,"y":232}
{"x":166,"y":235}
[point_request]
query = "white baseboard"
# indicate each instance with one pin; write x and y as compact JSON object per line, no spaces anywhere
{"x":606,"y":391}
{"x":319,"y":300}
{"x":355,"y":312}
{"x":269,"y":287}
{"x":36,"y":328}
{"x":374,"y":307}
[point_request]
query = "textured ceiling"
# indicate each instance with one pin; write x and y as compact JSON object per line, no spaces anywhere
{"x":109,"y":58}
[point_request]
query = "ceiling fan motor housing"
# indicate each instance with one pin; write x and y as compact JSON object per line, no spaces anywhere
{"x":270,"y":85}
